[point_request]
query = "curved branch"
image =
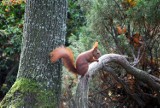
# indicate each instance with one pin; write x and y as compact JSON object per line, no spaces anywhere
{"x":83,"y":85}
{"x":121,"y":60}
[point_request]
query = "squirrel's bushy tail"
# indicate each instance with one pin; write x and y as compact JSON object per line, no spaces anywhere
{"x":67,"y":57}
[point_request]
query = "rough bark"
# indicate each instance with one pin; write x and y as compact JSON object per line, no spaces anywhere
{"x":83,"y":89}
{"x":44,"y":29}
{"x":81,"y":99}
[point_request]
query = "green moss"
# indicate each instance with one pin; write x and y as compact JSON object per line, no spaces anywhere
{"x":28,"y":93}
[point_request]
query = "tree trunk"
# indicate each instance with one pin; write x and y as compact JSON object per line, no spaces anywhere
{"x":38,"y":81}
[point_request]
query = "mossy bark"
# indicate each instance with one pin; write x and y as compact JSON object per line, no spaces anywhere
{"x":29,"y":94}
{"x":38,"y":81}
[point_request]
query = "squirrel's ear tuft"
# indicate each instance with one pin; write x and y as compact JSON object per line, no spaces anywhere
{"x":95,"y":45}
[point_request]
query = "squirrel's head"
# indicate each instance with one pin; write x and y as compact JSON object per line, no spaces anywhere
{"x":96,"y":52}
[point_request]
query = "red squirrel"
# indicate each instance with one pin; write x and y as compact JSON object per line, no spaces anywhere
{"x":82,"y":61}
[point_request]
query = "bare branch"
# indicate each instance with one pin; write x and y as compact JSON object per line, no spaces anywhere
{"x":83,"y":86}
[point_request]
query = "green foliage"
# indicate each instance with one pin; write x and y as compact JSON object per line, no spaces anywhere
{"x":11,"y":27}
{"x":103,"y":16}
{"x":75,"y":19}
{"x":12,"y":24}
{"x":146,"y":11}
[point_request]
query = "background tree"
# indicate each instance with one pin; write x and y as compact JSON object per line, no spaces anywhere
{"x":38,"y":81}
